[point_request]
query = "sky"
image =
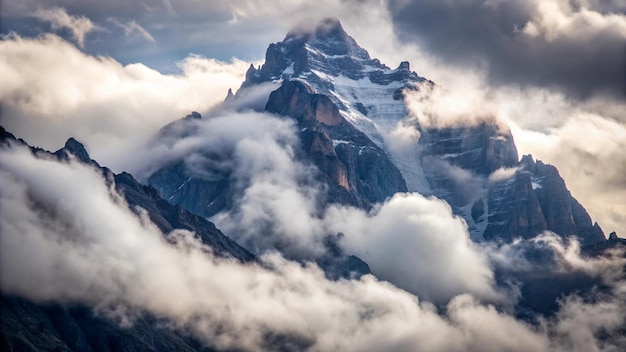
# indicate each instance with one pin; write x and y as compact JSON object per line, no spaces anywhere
{"x":112,"y":73}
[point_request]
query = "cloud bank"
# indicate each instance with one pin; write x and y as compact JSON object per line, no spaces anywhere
{"x":57,"y":235}
{"x":573,"y":46}
{"x":113,"y":108}
{"x":278,"y":204}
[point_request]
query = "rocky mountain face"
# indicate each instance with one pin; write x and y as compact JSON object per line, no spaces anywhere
{"x":554,"y":209}
{"x":327,"y":50}
{"x":204,"y":196}
{"x":357,"y":171}
{"x":347,"y":107}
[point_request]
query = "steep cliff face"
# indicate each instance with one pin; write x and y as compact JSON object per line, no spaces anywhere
{"x":297,"y":100}
{"x":457,"y":162}
{"x":481,"y":149}
{"x":536,"y":199}
{"x":357,"y":170}
{"x":202,"y":196}
{"x":514,"y":209}
{"x":563,"y":213}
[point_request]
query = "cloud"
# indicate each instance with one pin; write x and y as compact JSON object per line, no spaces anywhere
{"x":502,"y":174}
{"x":111,"y":107}
{"x":102,"y":263}
{"x":207,"y":28}
{"x":59,"y":245}
{"x":435,"y":106}
{"x":573,"y":46}
{"x":577,"y":324}
{"x":558,"y":256}
{"x":133,"y":27}
{"x":274,"y":193}
{"x":58,"y":18}
{"x":417,"y":244}
{"x":583,"y":139}
{"x":168,"y":6}
{"x":580,"y":320}
{"x":279,"y":204}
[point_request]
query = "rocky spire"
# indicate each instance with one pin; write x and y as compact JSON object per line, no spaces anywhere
{"x":329,"y":38}
{"x":326,"y":48}
{"x":76,"y":148}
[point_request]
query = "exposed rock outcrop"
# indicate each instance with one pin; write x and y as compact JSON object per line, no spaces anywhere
{"x":358,"y":172}
{"x":297,"y":100}
{"x":481,"y":148}
{"x":534,"y":200}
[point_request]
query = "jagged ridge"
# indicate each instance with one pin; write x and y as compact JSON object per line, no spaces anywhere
{"x":347,"y":106}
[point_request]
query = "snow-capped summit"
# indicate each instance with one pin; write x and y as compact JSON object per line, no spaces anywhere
{"x":368,"y":93}
{"x":329,"y":38}
{"x":316,"y":55}
{"x":326,"y":48}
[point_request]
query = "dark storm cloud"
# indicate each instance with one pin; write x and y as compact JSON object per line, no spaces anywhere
{"x":575,"y":47}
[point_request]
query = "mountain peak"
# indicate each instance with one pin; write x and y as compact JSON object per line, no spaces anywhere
{"x":328,"y":27}
{"x":327,"y":39}
{"x":76,"y":148}
{"x":314,"y":53}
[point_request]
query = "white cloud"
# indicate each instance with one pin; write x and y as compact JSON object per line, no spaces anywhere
{"x":126,"y":262}
{"x":168,"y":6}
{"x":561,"y":18}
{"x":503,"y":173}
{"x":274,"y":202}
{"x":133,"y":27}
{"x":578,"y":324}
{"x":417,"y":244}
{"x":52,"y":91}
{"x":277,"y":206}
{"x":466,"y":104}
{"x":67,"y":249}
{"x":128,"y":103}
{"x":579,"y":321}
{"x":58,"y":18}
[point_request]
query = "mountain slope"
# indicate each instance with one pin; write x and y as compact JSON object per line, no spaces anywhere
{"x":349,"y":109}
